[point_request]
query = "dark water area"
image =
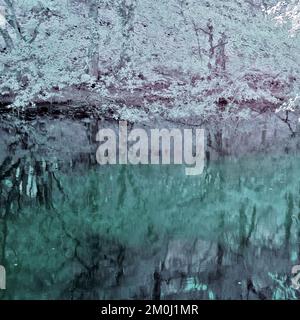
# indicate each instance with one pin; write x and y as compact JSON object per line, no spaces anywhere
{"x":150,"y":232}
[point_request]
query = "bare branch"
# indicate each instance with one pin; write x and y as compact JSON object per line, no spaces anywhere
{"x":35,"y":31}
{"x":12,"y":20}
{"x":8,"y":41}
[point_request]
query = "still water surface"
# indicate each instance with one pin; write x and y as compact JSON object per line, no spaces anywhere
{"x":126,"y":232}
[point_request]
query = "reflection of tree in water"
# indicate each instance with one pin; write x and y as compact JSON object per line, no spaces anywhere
{"x":23,"y":181}
{"x":73,"y":232}
{"x":36,"y":183}
{"x":102,"y":263}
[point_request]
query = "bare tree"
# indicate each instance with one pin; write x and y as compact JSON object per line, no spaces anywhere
{"x":221,"y":54}
{"x":126,"y":10}
{"x":94,"y":47}
{"x":10,"y":18}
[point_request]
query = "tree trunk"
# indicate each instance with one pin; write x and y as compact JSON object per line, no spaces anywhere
{"x":126,"y":11}
{"x":94,"y":48}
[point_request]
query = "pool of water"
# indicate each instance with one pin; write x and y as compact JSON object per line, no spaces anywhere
{"x":150,"y":232}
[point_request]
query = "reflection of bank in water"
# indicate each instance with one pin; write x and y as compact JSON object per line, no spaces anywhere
{"x":150,"y":231}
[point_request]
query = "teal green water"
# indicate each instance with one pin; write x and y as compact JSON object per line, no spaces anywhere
{"x":124,"y":232}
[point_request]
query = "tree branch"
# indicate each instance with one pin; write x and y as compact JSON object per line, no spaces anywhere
{"x":13,"y":19}
{"x":35,"y":31}
{"x":8,"y":40}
